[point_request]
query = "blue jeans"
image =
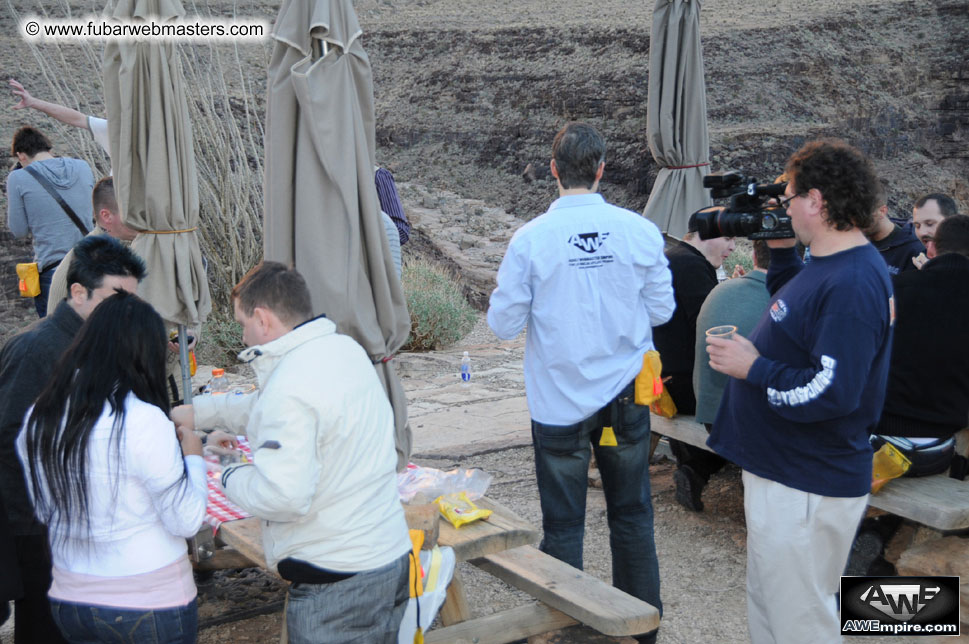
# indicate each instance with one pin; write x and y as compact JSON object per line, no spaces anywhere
{"x":40,"y":302}
{"x":86,"y":624}
{"x":562,"y":466}
{"x":363,"y":609}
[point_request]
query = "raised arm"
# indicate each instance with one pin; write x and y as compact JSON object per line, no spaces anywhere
{"x":62,"y":113}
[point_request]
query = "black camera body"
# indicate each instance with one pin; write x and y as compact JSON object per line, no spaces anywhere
{"x":748,"y":214}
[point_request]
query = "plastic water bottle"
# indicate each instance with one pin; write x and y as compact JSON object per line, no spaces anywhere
{"x":466,"y":369}
{"x":218,"y":384}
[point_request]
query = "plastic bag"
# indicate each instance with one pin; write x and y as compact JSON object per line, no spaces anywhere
{"x":437,"y":569}
{"x":664,"y":406}
{"x":432,"y":483}
{"x":888,"y":463}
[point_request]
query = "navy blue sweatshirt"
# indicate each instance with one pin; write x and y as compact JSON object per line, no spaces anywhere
{"x":803,"y":415}
{"x":898,"y":249}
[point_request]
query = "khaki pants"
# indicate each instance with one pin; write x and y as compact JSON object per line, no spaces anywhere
{"x":797,"y":548}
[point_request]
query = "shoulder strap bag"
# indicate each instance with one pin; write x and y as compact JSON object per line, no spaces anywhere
{"x":42,"y":180}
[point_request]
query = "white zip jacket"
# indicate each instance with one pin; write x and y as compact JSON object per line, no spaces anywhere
{"x":324,"y":476}
{"x":140,"y":508}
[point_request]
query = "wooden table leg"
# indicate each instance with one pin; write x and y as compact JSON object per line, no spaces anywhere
{"x":284,"y":634}
{"x":455,"y":608}
{"x":653,"y":442}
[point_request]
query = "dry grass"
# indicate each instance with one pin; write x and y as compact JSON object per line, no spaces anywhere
{"x":439,"y":313}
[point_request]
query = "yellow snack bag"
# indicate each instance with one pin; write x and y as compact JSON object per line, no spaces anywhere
{"x":459,"y":510}
{"x":649,"y":385}
{"x":28,"y":279}
{"x":888,"y":463}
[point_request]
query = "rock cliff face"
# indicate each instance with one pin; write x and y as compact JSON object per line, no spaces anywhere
{"x":468,"y":95}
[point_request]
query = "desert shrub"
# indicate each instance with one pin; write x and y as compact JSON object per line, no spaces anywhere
{"x":438,"y":311}
{"x":221,"y":339}
{"x":740,"y":255}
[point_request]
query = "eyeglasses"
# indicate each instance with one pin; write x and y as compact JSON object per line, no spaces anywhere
{"x":785,"y":203}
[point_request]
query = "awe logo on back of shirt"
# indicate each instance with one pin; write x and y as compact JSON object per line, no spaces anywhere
{"x":589,"y":243}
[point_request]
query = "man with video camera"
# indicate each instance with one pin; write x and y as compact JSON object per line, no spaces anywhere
{"x":805,"y":393}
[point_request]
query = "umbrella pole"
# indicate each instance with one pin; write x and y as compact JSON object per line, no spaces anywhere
{"x":183,"y":361}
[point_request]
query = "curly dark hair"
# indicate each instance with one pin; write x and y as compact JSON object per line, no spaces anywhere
{"x":845,"y":177}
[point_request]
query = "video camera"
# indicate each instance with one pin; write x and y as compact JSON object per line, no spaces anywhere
{"x":748,"y":214}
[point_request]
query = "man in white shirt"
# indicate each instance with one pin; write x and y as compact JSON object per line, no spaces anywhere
{"x":590,"y":280}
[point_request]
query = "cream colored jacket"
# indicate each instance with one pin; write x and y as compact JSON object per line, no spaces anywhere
{"x":324,"y":477}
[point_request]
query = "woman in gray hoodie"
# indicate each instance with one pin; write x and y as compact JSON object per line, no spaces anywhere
{"x":31,"y":208}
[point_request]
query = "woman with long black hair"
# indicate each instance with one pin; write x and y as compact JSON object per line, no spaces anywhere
{"x":117,"y":488}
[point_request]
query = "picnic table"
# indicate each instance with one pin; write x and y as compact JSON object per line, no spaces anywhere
{"x":500,"y":546}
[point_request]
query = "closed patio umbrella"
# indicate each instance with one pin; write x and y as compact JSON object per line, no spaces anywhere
{"x":322,"y":214}
{"x":676,"y":116}
{"x":154,"y":166}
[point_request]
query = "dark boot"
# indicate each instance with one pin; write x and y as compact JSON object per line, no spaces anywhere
{"x":689,"y":487}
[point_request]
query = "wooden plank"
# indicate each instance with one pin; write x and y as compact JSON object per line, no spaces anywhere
{"x":426,"y":517}
{"x":936,"y":501}
{"x":682,"y":428}
{"x":245,"y":536}
{"x":501,"y":531}
{"x":455,"y":608}
{"x":225,"y":558}
{"x":574,"y":592}
{"x":500,"y":628}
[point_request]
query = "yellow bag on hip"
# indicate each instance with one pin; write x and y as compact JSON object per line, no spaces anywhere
{"x":29,"y":279}
{"x":649,"y":384}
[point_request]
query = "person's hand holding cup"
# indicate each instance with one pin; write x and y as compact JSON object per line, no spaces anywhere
{"x":730,"y":353}
{"x":724,"y":331}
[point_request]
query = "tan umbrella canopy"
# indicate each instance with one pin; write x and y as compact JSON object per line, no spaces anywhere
{"x":322,"y":214}
{"x":153,"y":159}
{"x":676,"y":116}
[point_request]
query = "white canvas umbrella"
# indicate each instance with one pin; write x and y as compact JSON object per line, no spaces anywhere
{"x":676,"y":116}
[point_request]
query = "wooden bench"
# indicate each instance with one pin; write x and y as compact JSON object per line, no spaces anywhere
{"x":567,"y":596}
{"x":936,"y":501}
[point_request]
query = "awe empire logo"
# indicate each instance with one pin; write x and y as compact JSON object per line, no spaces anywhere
{"x":588,"y":242}
{"x":903,"y":606}
{"x":901,"y":601}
